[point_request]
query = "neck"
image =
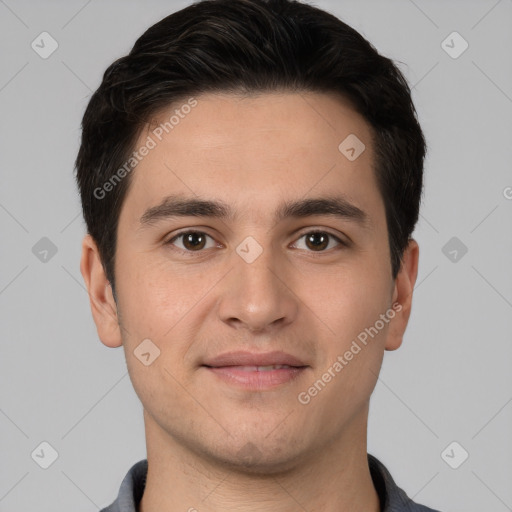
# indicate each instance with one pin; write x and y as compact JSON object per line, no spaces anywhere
{"x":334,"y":479}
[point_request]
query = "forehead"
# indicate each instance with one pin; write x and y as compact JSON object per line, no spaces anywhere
{"x":226,"y":122}
{"x":254,"y":150}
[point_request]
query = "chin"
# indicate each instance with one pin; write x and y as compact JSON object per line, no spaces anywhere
{"x":251,"y":461}
{"x":258,"y":456}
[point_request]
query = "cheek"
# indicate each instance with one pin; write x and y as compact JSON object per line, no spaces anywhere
{"x":353,"y":346}
{"x":154,"y":297}
{"x":165,"y":306}
{"x":350,"y":299}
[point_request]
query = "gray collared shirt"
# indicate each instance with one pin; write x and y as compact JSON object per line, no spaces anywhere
{"x":392,"y":498}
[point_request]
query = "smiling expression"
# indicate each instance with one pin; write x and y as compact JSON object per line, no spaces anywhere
{"x":248,"y":239}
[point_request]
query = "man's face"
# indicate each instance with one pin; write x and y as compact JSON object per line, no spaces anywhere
{"x":253,"y":281}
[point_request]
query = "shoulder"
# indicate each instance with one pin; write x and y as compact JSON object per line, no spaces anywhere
{"x":393,"y":499}
{"x":131,"y":490}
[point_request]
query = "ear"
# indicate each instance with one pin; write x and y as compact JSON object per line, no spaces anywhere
{"x":402,"y":295}
{"x":103,"y":305}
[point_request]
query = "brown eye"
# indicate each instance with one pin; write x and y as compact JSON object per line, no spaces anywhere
{"x":191,"y":241}
{"x":319,"y":241}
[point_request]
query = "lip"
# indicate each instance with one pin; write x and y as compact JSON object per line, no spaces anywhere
{"x":241,"y":369}
{"x":244,"y":358}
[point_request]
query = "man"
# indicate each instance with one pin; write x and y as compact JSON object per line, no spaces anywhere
{"x":251,"y":176}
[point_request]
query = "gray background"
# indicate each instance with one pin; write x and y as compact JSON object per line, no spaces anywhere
{"x":450,"y":381}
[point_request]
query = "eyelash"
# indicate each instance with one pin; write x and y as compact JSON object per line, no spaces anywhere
{"x":171,"y":241}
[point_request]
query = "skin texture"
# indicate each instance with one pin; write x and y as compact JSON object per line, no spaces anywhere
{"x":211,"y":445}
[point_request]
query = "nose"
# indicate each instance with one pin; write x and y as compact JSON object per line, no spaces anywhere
{"x":258,"y":296}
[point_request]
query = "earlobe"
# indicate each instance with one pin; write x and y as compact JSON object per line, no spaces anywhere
{"x":402,"y":295}
{"x":103,"y":305}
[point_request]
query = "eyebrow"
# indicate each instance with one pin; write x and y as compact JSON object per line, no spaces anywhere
{"x":179,"y":206}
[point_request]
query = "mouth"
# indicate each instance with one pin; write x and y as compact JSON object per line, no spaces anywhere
{"x":267,"y":368}
{"x":252,"y":371}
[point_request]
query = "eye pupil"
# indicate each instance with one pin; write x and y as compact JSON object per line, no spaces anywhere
{"x":317,"y":240}
{"x":193,"y":241}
